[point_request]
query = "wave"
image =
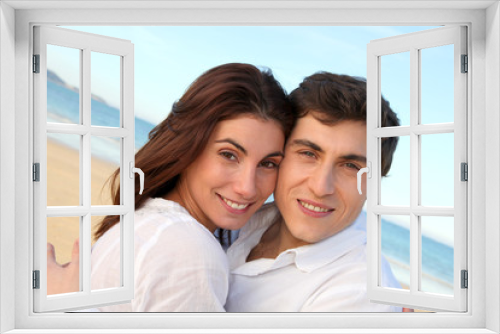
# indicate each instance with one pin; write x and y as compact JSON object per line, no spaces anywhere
{"x":429,"y":282}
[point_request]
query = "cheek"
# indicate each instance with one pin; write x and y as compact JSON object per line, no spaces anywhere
{"x":267,"y":183}
{"x":290,"y":176}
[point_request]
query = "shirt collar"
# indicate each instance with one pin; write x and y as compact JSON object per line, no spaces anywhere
{"x":307,"y":258}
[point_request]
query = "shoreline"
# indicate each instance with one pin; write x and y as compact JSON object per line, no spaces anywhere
{"x":63,"y":188}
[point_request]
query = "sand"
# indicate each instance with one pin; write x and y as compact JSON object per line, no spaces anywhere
{"x":63,"y":189}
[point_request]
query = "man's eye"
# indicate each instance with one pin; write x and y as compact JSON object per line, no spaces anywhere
{"x":308,"y":154}
{"x":352,"y":166}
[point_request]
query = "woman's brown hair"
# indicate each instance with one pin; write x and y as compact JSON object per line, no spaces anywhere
{"x":222,"y":93}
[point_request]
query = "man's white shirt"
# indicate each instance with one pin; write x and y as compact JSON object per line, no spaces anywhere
{"x":329,"y":276}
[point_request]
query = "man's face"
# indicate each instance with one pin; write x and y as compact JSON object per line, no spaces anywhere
{"x":316,"y":190}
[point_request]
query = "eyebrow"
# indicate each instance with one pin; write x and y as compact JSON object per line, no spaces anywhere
{"x":308,"y":143}
{"x":355,"y":157}
{"x":242,"y":149}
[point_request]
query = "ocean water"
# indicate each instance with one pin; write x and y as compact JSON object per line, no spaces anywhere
{"x":437,"y":258}
{"x":63,"y":107}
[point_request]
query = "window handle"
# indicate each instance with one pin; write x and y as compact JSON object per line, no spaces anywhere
{"x":360,"y":173}
{"x":141,"y":175}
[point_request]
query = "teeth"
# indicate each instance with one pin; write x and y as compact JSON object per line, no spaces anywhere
{"x":235,"y":205}
{"x":312,"y":207}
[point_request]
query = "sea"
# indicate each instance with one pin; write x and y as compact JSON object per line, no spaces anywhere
{"x":63,"y":107}
{"x":437,"y":256}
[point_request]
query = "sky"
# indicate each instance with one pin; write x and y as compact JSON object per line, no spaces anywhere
{"x":168,"y":59}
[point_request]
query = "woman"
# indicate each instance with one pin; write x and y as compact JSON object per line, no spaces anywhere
{"x":209,"y":165}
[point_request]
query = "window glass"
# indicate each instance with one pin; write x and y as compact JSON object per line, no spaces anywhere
{"x":112,"y":261}
{"x":106,"y":157}
{"x":395,"y":242}
{"x":106,"y":89}
{"x":438,"y":172}
{"x":62,"y":233}
{"x":63,"y":84}
{"x":395,"y":186}
{"x":395,"y":83}
{"x":437,"y":104}
{"x":437,"y":254}
{"x":63,"y":169}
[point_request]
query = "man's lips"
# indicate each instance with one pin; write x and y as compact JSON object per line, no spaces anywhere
{"x":314,"y":209}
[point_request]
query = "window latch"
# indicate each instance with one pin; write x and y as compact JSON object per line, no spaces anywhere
{"x":133,"y":170}
{"x":368,"y":171}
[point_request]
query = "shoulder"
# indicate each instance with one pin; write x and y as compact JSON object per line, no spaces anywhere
{"x":263,"y":218}
{"x":164,"y":227}
{"x":345,"y":286}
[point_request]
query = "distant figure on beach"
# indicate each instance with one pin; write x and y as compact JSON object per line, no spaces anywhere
{"x":209,"y":165}
{"x":304,"y":252}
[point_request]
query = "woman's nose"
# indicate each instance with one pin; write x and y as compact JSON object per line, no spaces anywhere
{"x":245,"y":183}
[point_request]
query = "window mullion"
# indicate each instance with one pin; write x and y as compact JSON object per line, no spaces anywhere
{"x":85,"y":160}
{"x":414,"y":170}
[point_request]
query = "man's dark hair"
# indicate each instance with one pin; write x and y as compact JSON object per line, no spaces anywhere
{"x":332,"y":98}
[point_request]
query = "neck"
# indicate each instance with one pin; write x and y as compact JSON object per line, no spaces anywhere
{"x":286,"y":238}
{"x":179,"y":196}
{"x":274,"y":241}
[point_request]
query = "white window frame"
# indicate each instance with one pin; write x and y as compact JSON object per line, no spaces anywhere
{"x":86,"y":44}
{"x":483,"y":20}
{"x":413,"y":44}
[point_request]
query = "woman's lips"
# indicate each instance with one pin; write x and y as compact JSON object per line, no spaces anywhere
{"x":233,"y":206}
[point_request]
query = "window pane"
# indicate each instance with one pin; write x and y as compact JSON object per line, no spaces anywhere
{"x":395,"y":186}
{"x":63,"y":84}
{"x":107,"y":261}
{"x":62,"y":233}
{"x":395,"y":84}
{"x":63,"y":169}
{"x":106,"y":89}
{"x":437,"y":254}
{"x":106,"y":158}
{"x":437,"y":170}
{"x":395,"y":242}
{"x":437,"y":84}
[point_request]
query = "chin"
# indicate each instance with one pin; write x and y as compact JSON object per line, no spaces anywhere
{"x":233,"y":225}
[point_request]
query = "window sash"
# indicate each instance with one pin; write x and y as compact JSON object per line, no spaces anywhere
{"x":86,"y":43}
{"x":483,"y":104}
{"x":413,"y":43}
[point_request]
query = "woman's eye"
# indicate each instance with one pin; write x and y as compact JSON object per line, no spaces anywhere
{"x":269,"y":164}
{"x":228,"y":155}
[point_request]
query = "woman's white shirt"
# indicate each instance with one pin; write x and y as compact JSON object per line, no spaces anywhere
{"x":179,"y":264}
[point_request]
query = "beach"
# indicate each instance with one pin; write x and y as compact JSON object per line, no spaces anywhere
{"x":63,"y":190}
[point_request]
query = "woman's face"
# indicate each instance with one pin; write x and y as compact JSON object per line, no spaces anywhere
{"x":235,"y":174}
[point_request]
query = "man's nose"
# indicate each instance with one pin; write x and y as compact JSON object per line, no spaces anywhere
{"x":322,"y":181}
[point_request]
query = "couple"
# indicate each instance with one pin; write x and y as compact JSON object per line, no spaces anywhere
{"x":211,"y":165}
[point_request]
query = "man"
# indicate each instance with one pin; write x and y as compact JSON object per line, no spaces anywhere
{"x":310,"y":255}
